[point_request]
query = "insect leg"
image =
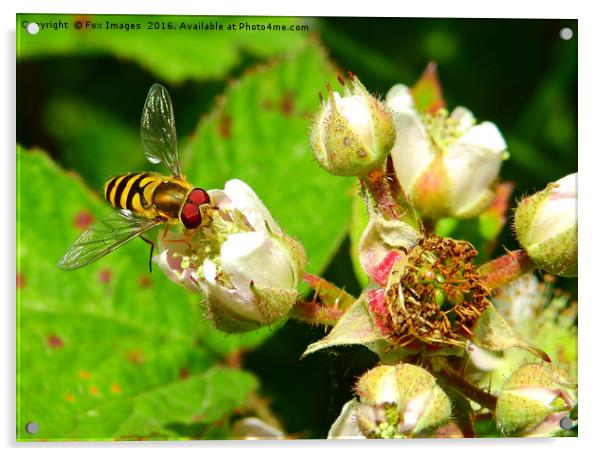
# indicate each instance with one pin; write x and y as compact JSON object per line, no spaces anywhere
{"x":150,"y":257}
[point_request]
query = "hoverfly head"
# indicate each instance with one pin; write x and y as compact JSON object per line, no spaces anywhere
{"x":191,"y":215}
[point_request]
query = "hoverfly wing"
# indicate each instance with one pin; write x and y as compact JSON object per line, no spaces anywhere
{"x":105,"y":236}
{"x":158,"y":130}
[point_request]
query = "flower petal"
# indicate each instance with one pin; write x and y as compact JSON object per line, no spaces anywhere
{"x":559,"y":213}
{"x":345,"y":426}
{"x":399,"y":98}
{"x":244,"y":199}
{"x":473,"y":163}
{"x":464,"y":117}
{"x":238,"y":303}
{"x":357,"y":113}
{"x":412,"y":151}
{"x":256,"y":257}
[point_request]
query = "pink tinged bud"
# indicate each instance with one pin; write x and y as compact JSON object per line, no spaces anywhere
{"x":546,"y":227}
{"x":533,"y":401}
{"x":445,"y":162}
{"x":400,"y":401}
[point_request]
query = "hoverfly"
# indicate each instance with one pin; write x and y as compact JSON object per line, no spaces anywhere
{"x":144,"y":200}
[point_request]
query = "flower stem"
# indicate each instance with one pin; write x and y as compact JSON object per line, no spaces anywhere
{"x":505,"y":269}
{"x":315,"y":313}
{"x":455,"y":380}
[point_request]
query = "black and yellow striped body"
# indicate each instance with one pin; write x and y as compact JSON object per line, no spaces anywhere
{"x":149,"y":195}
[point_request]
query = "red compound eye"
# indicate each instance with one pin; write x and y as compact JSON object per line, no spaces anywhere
{"x":198,"y":196}
{"x":191,"y":216}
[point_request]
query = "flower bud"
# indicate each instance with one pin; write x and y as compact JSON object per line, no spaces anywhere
{"x":445,"y":162}
{"x":533,"y":401}
{"x":546,"y":227}
{"x":395,"y":402}
{"x":244,"y":265}
{"x":352,"y":134}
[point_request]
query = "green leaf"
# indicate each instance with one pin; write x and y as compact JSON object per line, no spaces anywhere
{"x":107,"y":351}
{"x":259,"y":132}
{"x":160,"y":44}
{"x":94,"y":142}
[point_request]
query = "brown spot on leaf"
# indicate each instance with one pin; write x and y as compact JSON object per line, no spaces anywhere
{"x":287,"y":104}
{"x":184,"y":373}
{"x":225,"y":126}
{"x":83,"y":219}
{"x":144,"y":281}
{"x":115,"y":388}
{"x":104,"y":275}
{"x":94,"y":391}
{"x":84,"y":375}
{"x":54,"y":341}
{"x":69,"y":397}
{"x":136,"y":357}
{"x":267,"y":105}
{"x":20,"y":280}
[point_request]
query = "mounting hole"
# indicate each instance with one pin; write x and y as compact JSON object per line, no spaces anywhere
{"x":32,"y":28}
{"x":566,"y":423}
{"x":566,"y":34}
{"x":32,"y":427}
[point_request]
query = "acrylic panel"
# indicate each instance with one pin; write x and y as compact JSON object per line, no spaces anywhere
{"x":295,"y":228}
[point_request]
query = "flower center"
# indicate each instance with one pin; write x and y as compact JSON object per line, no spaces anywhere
{"x":208,"y":239}
{"x":442,"y":129}
{"x":434,"y":295}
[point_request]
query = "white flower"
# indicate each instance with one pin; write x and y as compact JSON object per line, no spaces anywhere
{"x":242,"y":262}
{"x":445,"y":162}
{"x":546,"y":226}
{"x":352,"y":134}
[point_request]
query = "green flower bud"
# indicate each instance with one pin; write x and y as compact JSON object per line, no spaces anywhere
{"x":546,"y":227}
{"x":533,"y":401}
{"x":352,"y":134}
{"x":394,"y":402}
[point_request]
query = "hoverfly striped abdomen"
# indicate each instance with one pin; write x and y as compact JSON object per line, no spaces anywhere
{"x":128,"y":191}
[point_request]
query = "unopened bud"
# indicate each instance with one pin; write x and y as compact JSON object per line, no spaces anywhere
{"x":400,"y":401}
{"x":546,"y":227}
{"x":352,"y":134}
{"x":533,"y":401}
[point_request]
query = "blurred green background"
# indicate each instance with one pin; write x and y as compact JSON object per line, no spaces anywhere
{"x":111,"y":351}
